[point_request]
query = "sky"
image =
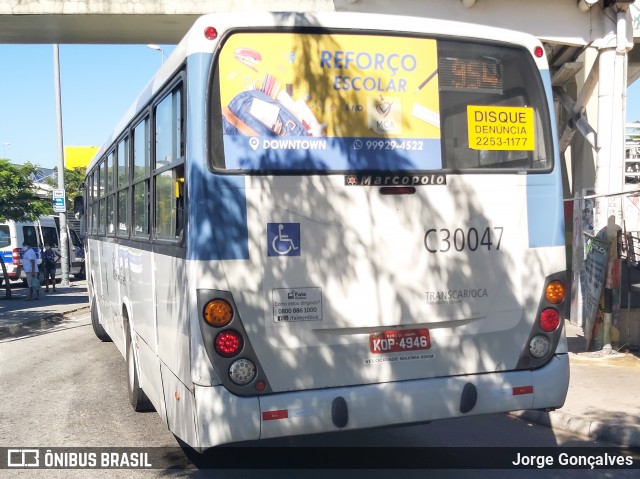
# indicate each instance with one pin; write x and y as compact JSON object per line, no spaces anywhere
{"x":98,"y":83}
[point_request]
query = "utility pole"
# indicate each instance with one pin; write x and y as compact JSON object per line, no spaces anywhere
{"x":64,"y":237}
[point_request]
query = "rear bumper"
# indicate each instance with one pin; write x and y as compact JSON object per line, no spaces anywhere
{"x":223,"y":417}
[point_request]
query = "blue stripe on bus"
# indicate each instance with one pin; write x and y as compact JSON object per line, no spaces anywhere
{"x":218,"y":218}
{"x":217,"y":203}
{"x":544,"y":192}
{"x":545,"y":214}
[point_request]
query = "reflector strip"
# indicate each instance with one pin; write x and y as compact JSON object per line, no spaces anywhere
{"x":271,"y":415}
{"x":518,"y":391}
{"x":397,"y":190}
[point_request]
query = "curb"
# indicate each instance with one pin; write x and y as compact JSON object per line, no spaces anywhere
{"x":626,"y":436}
{"x":43,"y":322}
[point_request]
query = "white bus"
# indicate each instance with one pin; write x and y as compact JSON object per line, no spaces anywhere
{"x":302,"y":226}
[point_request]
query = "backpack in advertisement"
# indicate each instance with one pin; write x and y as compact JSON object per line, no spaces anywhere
{"x":254,"y":113}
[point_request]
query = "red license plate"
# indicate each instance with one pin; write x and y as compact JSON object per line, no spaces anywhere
{"x":395,"y":341}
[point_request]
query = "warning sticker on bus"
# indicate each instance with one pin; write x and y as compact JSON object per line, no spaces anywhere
{"x":298,"y":304}
{"x":500,"y":128}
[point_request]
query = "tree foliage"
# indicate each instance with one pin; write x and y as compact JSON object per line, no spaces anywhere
{"x":18,"y":200}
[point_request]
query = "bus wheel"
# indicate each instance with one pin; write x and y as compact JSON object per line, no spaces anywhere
{"x":137,"y":397}
{"x":99,"y":331}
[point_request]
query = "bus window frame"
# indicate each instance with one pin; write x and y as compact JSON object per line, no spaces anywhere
{"x":177,"y":83}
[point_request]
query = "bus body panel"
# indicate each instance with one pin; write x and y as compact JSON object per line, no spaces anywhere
{"x":373,"y":405}
{"x":171,"y":302}
{"x":365,"y":267}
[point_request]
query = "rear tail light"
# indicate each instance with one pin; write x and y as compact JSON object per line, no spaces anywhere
{"x":218,"y":313}
{"x":549,"y":320}
{"x":242,"y":372}
{"x":228,"y":343}
{"x":554,"y":292}
{"x":15,"y":256}
{"x":210,"y":33}
{"x":539,"y":346}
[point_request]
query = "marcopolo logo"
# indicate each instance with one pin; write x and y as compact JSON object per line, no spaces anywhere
{"x":395,"y":180}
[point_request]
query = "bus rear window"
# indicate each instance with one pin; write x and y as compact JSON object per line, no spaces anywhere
{"x":295,"y":102}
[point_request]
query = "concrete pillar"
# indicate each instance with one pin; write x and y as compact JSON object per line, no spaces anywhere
{"x":612,"y":92}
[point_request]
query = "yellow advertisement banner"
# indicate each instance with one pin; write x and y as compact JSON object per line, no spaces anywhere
{"x":335,"y":86}
{"x":500,"y":128}
{"x":79,"y":156}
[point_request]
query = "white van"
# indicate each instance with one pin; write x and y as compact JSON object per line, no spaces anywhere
{"x":44,"y":230}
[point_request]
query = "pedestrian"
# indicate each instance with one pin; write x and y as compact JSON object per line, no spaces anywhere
{"x":49,"y":258}
{"x":30,"y":267}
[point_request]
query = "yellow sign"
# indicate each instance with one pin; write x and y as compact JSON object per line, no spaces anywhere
{"x":500,"y":128}
{"x":79,"y":156}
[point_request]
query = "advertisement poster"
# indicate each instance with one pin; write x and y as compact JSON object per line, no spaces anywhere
{"x":592,"y":281}
{"x":329,"y":102}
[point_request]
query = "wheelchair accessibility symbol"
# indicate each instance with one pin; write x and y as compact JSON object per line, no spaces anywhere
{"x":283,"y":239}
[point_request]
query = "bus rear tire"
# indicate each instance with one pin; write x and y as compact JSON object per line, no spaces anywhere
{"x":137,"y":397}
{"x":99,"y":331}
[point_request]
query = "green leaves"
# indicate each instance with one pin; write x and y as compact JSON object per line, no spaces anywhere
{"x":18,"y":200}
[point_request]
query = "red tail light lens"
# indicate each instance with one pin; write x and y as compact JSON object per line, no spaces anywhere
{"x":228,"y":343}
{"x":549,"y":320}
{"x":210,"y":33}
{"x":16,"y":256}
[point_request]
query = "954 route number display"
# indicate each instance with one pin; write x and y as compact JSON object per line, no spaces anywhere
{"x":397,"y":341}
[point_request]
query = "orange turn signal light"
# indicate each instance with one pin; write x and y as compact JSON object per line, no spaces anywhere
{"x":218,"y":313}
{"x":554,"y":292}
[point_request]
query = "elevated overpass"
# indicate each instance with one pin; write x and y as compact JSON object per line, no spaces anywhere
{"x":144,"y":21}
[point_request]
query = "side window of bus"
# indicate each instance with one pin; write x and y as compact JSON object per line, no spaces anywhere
{"x":30,"y":236}
{"x":111,"y":203}
{"x":169,"y":166}
{"x":93,"y":185}
{"x":122,"y":220}
{"x":50,"y":236}
{"x":169,"y":203}
{"x":140,"y":180}
{"x":102,"y":192}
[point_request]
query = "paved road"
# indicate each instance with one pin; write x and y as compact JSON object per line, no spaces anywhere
{"x":64,"y":388}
